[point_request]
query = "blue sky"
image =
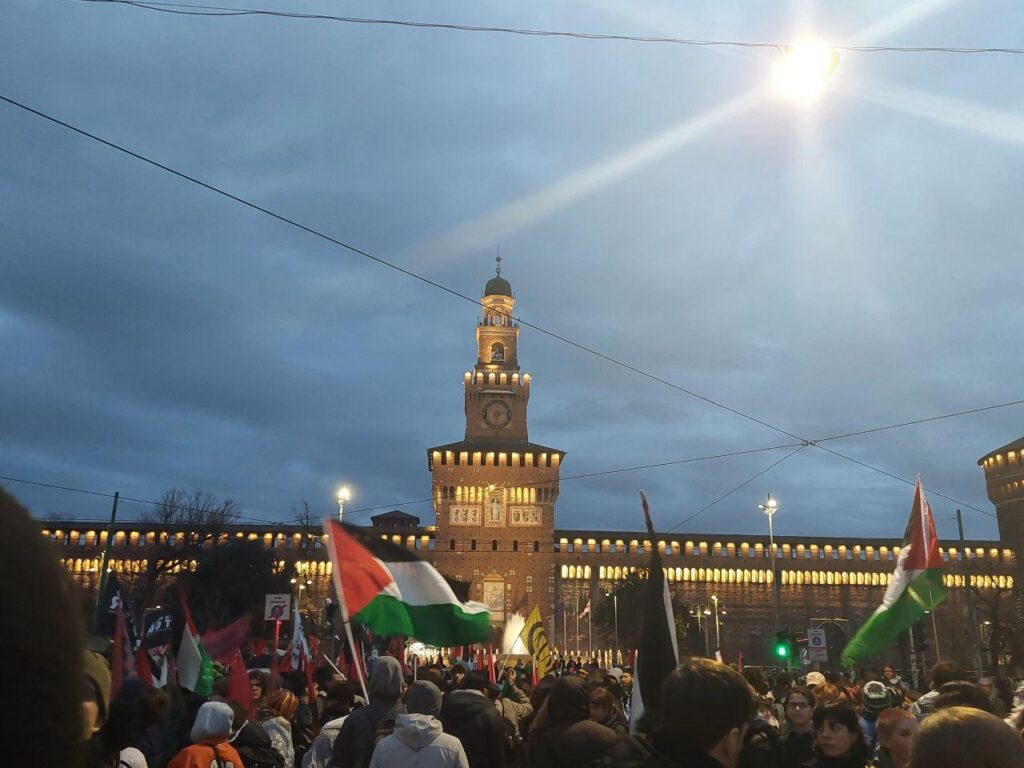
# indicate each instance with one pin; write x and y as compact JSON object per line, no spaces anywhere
{"x":826,"y":268}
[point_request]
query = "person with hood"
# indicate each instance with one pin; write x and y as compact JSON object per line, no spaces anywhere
{"x":473,"y":719}
{"x":604,"y":709}
{"x":354,"y":743}
{"x":210,"y":745}
{"x":251,"y":741}
{"x":570,"y":737}
{"x":418,"y":739}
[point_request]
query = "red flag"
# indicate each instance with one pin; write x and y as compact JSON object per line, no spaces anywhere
{"x":241,"y":690}
{"x":220,"y":644}
{"x":143,"y":668}
{"x":311,"y":692}
{"x":490,"y":665}
{"x":122,"y":665}
{"x":480,"y":658}
{"x":533,"y":678}
{"x":274,"y":659}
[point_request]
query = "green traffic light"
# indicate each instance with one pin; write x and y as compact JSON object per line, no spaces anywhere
{"x":781,"y":651}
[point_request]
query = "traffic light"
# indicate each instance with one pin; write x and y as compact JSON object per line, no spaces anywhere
{"x":783,"y":648}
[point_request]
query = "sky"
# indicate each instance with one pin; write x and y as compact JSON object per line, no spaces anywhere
{"x":825,"y":267}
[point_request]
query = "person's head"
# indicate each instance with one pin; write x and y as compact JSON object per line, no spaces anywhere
{"x":783,"y":680}
{"x":827,"y":693}
{"x":511,"y":675}
{"x":458,"y":674}
{"x":757,"y":680}
{"x":799,"y":706}
{"x":626,"y":680}
{"x":95,"y":693}
{"x":946,"y":672}
{"x":474,"y":681}
{"x":814,"y":679}
{"x":569,"y":701}
{"x":433,"y":675}
{"x":896,"y":728}
{"x":213,"y":722}
{"x":888,"y":672}
{"x":325,"y":676}
{"x":340,"y":700}
{"x":966,"y":738}
{"x":838,"y":731}
{"x":282,"y":703}
{"x":875,"y":697}
{"x":985,"y":684}
{"x":602,"y":703}
{"x":152,"y":705}
{"x":960,"y":693}
{"x":42,"y":641}
{"x":257,"y":684}
{"x":705,"y":705}
{"x":386,"y":682}
{"x":541,"y":691}
{"x":423,"y":698}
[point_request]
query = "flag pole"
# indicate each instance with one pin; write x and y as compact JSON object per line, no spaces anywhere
{"x":935,"y":628}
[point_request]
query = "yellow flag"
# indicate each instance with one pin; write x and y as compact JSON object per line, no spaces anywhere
{"x":537,"y":643}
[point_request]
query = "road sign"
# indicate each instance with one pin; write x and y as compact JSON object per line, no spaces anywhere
{"x":817,"y":646}
{"x":277,"y":607}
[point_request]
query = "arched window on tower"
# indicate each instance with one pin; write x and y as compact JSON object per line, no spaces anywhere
{"x":497,"y":352}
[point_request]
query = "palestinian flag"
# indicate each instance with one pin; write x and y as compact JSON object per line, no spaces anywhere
{"x":392,"y":592}
{"x":195,"y":668}
{"x":916,"y":586}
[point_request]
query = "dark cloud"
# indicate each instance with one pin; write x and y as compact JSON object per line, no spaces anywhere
{"x":825,"y":273}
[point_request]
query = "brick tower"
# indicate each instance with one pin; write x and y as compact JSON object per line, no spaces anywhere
{"x":495,"y":491}
{"x":1004,"y":480}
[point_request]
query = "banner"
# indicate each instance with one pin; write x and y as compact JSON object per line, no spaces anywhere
{"x":114,"y":599}
{"x":157,"y":634}
{"x":536,"y":641}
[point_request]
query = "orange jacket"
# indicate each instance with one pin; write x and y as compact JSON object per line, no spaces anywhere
{"x":206,"y":754}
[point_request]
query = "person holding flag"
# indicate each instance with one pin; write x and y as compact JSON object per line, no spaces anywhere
{"x":916,"y":587}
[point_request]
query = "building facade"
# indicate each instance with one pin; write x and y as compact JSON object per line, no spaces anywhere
{"x":494,"y":496}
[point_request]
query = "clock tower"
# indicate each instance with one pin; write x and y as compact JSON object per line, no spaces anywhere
{"x":494,"y":491}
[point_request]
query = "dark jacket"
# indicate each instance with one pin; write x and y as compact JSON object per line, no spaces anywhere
{"x":798,"y":750}
{"x":572,"y":745}
{"x":640,"y":752}
{"x":616,"y":722}
{"x":253,"y":745}
{"x":820,"y":761}
{"x":474,"y":720}
{"x":354,"y":745}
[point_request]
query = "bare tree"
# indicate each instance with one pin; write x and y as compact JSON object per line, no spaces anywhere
{"x":998,"y":605}
{"x":194,"y":523}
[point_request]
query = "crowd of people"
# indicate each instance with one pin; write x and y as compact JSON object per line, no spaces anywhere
{"x":448,"y":715}
{"x":65,"y":712}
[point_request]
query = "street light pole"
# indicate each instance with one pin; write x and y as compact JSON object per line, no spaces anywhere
{"x":343,"y":495}
{"x":718,"y":626}
{"x":707,"y":634}
{"x":770,"y":507}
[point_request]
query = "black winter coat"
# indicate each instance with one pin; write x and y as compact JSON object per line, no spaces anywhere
{"x":474,"y":720}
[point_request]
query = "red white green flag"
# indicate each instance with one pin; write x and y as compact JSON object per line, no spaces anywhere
{"x":916,"y":586}
{"x":396,"y":593}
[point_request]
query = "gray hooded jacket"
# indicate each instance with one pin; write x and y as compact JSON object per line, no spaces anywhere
{"x":418,"y":742}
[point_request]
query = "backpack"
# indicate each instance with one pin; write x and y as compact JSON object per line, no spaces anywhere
{"x":384,"y":729}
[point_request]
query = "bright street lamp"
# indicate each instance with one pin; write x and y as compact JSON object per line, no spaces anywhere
{"x":770,"y":507}
{"x":804,"y":70}
{"x":718,"y":624}
{"x":343,"y":495}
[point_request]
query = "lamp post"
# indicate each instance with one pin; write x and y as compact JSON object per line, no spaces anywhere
{"x":343,"y":495}
{"x":770,"y":507}
{"x":615,"y":611}
{"x":718,"y":625}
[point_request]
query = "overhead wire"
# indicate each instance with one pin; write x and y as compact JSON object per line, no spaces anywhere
{"x":410,"y":502}
{"x":187,"y":9}
{"x":476,"y":302}
{"x":745,"y":483}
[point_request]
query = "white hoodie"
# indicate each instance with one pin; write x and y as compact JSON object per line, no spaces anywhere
{"x":419,"y":742}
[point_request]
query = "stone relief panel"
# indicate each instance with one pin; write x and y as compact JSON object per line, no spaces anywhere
{"x":464,"y":514}
{"x":525,"y":516}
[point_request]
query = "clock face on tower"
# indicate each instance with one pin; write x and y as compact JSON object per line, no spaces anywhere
{"x":497,"y":414}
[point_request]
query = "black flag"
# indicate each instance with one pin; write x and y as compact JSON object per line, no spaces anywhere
{"x":658,"y":654}
{"x":107,"y":621}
